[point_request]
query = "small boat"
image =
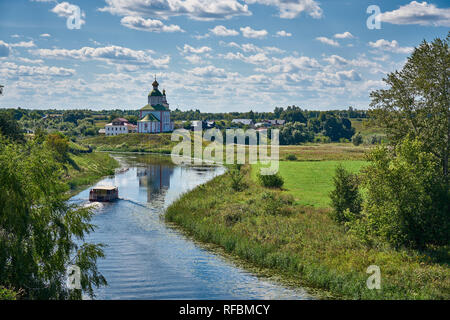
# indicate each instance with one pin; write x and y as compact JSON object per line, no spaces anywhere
{"x":104,"y":194}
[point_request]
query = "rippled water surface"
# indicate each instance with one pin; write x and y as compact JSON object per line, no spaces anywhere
{"x":146,"y":259}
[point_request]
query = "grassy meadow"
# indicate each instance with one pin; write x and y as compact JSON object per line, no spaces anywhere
{"x":310,"y":182}
{"x":302,"y":244}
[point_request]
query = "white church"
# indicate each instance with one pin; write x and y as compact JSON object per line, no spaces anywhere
{"x":155,"y":116}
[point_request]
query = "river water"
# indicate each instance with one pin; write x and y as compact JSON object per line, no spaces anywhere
{"x":146,"y":259}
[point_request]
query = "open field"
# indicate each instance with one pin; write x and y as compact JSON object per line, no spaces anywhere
{"x":310,"y":182}
{"x":302,"y":244}
{"x":161,"y":143}
{"x":325,"y":151}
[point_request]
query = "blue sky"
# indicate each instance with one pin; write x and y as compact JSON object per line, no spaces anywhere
{"x":217,"y":56}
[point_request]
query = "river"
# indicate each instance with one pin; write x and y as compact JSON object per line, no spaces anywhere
{"x":147,"y":259}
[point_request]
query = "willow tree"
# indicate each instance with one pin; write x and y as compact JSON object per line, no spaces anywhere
{"x":41,"y":234}
{"x":416,"y":100}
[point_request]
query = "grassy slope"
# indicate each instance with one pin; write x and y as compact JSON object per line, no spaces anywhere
{"x":159,"y":143}
{"x":302,"y":244}
{"x":86,"y":169}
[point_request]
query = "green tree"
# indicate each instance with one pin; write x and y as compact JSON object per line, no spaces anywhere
{"x":59,"y":144}
{"x":357,"y":139}
{"x":407,"y":200}
{"x":345,"y":197}
{"x":41,"y":235}
{"x":417,"y":100}
{"x":9,"y":127}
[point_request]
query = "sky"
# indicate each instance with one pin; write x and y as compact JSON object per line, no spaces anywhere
{"x":216,"y":56}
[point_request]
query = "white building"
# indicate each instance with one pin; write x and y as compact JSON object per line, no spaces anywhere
{"x":119,"y":126}
{"x":155,"y":116}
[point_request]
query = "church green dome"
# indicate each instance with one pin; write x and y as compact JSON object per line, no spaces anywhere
{"x":155,"y":93}
{"x":157,"y":107}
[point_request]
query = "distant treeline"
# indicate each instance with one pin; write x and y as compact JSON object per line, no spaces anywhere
{"x":301,"y":125}
{"x":291,"y":113}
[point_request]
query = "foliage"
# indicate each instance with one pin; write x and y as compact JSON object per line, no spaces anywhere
{"x":59,"y":144}
{"x":336,"y":129}
{"x":291,"y":157}
{"x":271,"y":180}
{"x":303,"y":245}
{"x":407,"y":198}
{"x":357,"y":139}
{"x":9,"y":127}
{"x":417,"y":100}
{"x":7,"y":294}
{"x":345,"y":198}
{"x":40,"y":233}
{"x":237,"y":178}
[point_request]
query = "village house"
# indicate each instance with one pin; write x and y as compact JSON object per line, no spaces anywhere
{"x":119,"y":126}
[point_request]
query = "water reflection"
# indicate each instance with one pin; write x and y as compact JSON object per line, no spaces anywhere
{"x":155,"y":179}
{"x":145,"y":259}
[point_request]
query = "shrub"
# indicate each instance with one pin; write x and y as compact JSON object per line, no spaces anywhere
{"x":407,"y":196}
{"x":275,"y":203}
{"x":237,"y":177}
{"x":271,"y":181}
{"x":345,"y":196}
{"x":357,"y":139}
{"x":291,"y":157}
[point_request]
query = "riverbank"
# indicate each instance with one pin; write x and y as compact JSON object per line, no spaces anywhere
{"x":87,"y":168}
{"x":302,"y":244}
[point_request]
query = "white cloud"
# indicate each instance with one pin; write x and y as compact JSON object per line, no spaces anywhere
{"x":250,"y":47}
{"x":291,"y":64}
{"x":66,"y":10}
{"x":150,"y":25}
{"x":345,"y":35}
{"x":292,"y":8}
{"x":45,"y":35}
{"x":23,"y":44}
{"x":4,"y":49}
{"x":164,"y":9}
{"x":391,"y":46}
{"x":11,"y":70}
{"x":110,"y":54}
{"x":223,"y":31}
{"x":336,"y":60}
{"x":283,"y":33}
{"x":248,"y":32}
{"x":209,"y":72}
{"x":328,"y":41}
{"x":421,"y":13}
{"x":189,"y":49}
{"x":195,"y":59}
{"x":36,"y":61}
{"x":350,"y":75}
{"x":259,"y":58}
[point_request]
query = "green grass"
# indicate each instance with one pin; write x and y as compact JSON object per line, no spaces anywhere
{"x":136,"y":142}
{"x":303,"y":245}
{"x":88,"y":168}
{"x":310,"y":182}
